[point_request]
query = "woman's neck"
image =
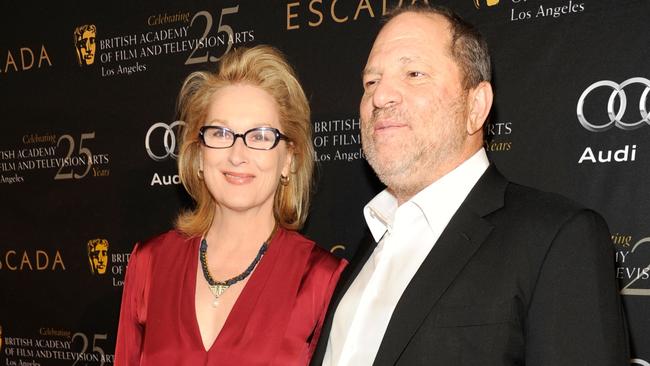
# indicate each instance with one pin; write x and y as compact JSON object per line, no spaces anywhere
{"x":232,"y":230}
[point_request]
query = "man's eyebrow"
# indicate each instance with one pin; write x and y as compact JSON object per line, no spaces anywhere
{"x":369,"y":70}
{"x":404,"y":60}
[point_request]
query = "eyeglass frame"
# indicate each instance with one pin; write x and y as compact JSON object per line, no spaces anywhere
{"x":278,"y":136}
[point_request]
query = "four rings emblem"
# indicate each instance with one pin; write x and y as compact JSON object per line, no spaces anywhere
{"x":615,"y":116}
{"x":169,"y":140}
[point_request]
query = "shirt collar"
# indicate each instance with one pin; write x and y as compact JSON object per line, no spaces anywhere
{"x":438,"y":201}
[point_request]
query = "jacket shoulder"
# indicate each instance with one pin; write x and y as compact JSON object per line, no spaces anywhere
{"x":539,"y":204}
{"x":540,"y":216}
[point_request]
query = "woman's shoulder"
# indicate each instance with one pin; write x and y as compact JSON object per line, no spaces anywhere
{"x":320,"y":272}
{"x":320,"y":259}
{"x":170,"y":236}
{"x":166,"y":242}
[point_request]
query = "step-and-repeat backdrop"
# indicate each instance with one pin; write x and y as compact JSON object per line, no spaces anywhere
{"x":89,"y":137}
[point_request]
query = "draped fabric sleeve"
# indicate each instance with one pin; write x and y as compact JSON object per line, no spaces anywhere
{"x":325,"y":300}
{"x":131,"y":328}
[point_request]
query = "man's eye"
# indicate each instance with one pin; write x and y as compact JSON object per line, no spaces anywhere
{"x":369,"y":83}
{"x":415,"y":74}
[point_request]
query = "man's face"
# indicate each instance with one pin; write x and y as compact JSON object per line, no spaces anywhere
{"x":413,"y":109}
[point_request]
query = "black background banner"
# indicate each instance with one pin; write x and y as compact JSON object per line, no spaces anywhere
{"x":87,"y":152}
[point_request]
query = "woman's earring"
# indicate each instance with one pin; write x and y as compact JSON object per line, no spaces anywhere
{"x":284,"y":180}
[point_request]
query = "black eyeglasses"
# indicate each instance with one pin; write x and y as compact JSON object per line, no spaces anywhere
{"x":260,"y":138}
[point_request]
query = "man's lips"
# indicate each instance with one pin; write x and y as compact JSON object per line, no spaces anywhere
{"x":238,"y":178}
{"x":387,"y":126}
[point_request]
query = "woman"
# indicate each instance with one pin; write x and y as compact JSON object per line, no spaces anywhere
{"x":234,"y":284}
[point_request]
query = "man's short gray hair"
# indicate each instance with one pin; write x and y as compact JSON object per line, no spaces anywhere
{"x":468,"y":47}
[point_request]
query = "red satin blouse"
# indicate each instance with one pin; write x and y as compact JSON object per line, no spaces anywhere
{"x":275,"y":321}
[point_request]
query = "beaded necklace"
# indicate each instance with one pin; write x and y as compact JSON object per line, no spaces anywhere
{"x":219,"y":287}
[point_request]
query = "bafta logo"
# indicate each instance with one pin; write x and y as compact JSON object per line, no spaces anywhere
{"x":84,"y":42}
{"x":98,"y":255}
{"x":477,"y":3}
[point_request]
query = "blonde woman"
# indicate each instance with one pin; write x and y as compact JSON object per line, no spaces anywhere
{"x":234,"y":283}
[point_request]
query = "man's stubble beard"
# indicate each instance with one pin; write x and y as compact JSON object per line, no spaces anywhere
{"x":414,"y":161}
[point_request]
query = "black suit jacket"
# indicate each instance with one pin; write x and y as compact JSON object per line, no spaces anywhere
{"x":518,"y":277}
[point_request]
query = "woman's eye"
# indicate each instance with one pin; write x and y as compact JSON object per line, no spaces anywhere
{"x":219,"y":133}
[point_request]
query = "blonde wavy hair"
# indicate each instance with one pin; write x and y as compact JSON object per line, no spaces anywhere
{"x":264,"y":67}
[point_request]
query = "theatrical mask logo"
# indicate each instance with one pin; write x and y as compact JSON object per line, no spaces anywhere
{"x":84,"y":42}
{"x":477,"y":3}
{"x":98,"y":255}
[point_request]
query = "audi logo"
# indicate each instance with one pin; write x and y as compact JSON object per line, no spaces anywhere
{"x":168,"y":141}
{"x":615,"y":116}
{"x":638,"y":361}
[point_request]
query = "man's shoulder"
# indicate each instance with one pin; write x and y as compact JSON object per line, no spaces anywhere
{"x":532,"y":221}
{"x":495,"y":195}
{"x":537,"y":208}
{"x":521,"y":196}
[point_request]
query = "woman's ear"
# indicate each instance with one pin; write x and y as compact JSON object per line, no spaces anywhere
{"x":287,"y":168}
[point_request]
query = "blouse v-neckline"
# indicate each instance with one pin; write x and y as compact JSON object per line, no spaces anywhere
{"x":245,"y":303}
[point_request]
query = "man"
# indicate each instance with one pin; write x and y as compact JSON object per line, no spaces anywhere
{"x":463,"y":268}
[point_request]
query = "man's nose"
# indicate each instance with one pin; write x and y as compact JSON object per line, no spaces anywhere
{"x":386,"y":93}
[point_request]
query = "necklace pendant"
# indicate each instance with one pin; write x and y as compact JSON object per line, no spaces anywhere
{"x":218,"y":290}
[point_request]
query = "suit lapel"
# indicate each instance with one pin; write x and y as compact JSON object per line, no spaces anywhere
{"x":360,"y":258}
{"x":462,"y":237}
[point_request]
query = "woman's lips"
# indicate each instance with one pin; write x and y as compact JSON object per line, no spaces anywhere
{"x":238,"y":178}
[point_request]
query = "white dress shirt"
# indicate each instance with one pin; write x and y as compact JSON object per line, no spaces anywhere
{"x":405,"y":236}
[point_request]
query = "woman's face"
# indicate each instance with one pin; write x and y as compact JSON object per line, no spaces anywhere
{"x":240,"y":178}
